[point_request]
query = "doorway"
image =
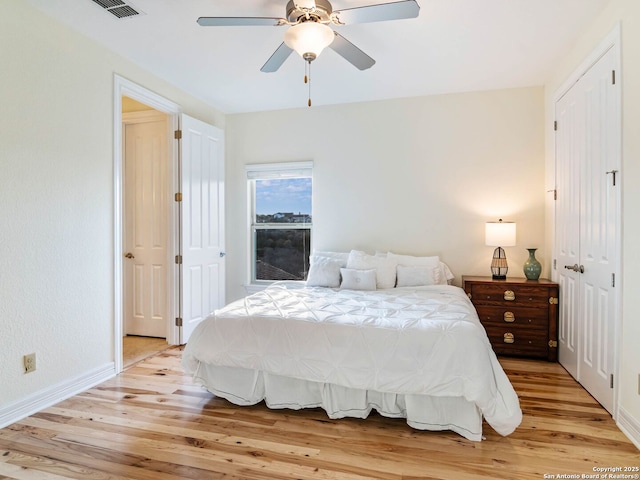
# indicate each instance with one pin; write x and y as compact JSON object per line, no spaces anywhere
{"x":159,"y":106}
{"x":195,"y":270}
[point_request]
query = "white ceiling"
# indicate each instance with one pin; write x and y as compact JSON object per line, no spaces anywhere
{"x":453,"y":46}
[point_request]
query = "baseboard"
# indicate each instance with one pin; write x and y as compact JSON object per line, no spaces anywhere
{"x":629,"y":425}
{"x":50,"y":396}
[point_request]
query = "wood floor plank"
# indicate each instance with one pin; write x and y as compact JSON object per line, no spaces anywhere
{"x":153,"y":423}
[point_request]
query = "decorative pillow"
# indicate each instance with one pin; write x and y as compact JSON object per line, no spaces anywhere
{"x":353,"y":279}
{"x":385,"y":267}
{"x":410,"y":260}
{"x":416,"y":275}
{"x":323,"y":272}
{"x":342,"y":257}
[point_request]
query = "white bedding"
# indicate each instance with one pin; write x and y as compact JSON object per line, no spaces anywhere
{"x":419,"y":353}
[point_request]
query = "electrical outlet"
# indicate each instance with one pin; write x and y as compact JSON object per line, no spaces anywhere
{"x":29,"y":363}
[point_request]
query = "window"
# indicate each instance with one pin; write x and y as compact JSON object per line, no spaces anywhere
{"x":280,"y":220}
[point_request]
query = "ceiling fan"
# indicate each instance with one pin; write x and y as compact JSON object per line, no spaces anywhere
{"x":309,"y":32}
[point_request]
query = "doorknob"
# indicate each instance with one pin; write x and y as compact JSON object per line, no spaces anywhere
{"x":575,"y":267}
{"x":222,"y":254}
{"x":129,"y":255}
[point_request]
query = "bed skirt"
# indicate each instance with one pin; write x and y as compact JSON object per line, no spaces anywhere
{"x":248,"y":387}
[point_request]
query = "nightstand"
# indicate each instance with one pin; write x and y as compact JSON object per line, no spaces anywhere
{"x":519,"y":315}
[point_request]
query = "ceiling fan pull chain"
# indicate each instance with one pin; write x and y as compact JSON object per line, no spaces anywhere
{"x":309,"y":102}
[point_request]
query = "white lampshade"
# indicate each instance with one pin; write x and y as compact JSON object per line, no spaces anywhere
{"x":500,"y":234}
{"x":309,"y":38}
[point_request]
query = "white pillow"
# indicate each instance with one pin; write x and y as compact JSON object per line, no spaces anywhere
{"x":353,"y":279}
{"x":416,"y":275}
{"x":342,"y":257}
{"x":446,"y":276}
{"x":323,"y":272}
{"x":385,"y":267}
{"x":432,"y":261}
{"x":410,"y":260}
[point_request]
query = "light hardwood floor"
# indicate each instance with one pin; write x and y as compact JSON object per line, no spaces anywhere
{"x":153,"y":423}
{"x":135,"y":348}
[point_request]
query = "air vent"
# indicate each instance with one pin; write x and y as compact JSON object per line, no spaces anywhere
{"x":118,"y":8}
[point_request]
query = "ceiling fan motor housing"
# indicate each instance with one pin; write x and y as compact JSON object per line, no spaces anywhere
{"x":321,"y":14}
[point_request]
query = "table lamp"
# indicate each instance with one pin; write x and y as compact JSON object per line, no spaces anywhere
{"x":500,"y":234}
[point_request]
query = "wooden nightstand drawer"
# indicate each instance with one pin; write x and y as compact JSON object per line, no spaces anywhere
{"x":482,"y":294}
{"x":517,"y":342}
{"x":520,"y":316}
{"x":529,"y":316}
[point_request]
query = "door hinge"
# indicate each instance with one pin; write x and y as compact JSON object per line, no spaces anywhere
{"x":178,"y":197}
{"x":553,"y":344}
{"x":177,"y":134}
{"x":553,"y":300}
{"x":613,"y":279}
{"x":555,"y":125}
{"x":554,"y":264}
{"x":178,"y":321}
{"x":178,"y":259}
{"x":611,"y":381}
{"x":613,"y":77}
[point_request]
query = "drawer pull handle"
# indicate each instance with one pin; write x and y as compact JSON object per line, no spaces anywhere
{"x":509,"y":295}
{"x":509,"y":317}
{"x":509,"y":338}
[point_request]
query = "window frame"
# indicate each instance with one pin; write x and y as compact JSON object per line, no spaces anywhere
{"x":272,"y":171}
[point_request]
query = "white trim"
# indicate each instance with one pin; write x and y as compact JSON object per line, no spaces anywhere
{"x":123,"y":87}
{"x":629,"y":425}
{"x":612,"y":39}
{"x":279,"y":170}
{"x":42,"y":399}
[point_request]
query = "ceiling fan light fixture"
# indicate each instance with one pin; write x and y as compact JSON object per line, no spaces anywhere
{"x":309,"y":38}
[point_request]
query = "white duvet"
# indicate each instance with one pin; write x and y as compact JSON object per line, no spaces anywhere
{"x":424,"y":341}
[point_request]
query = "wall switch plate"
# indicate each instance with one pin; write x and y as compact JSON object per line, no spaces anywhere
{"x":29,"y":362}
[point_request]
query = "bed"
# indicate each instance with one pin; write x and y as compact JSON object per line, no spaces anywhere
{"x":408,"y":351}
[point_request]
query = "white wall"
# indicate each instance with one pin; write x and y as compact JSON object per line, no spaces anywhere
{"x":56,"y":199}
{"x":418,"y":175}
{"x":627,"y":14}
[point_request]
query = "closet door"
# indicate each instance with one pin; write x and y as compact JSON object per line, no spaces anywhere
{"x":587,"y":226}
{"x":568,"y":156}
{"x":598,"y":229}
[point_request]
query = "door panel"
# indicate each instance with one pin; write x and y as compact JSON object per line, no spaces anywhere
{"x":145,"y":273}
{"x":202,"y":219}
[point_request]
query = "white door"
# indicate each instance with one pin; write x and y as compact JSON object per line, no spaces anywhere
{"x":587,"y":226}
{"x":145,"y":236}
{"x":202,"y":223}
{"x":567,"y":228}
{"x":598,"y":229}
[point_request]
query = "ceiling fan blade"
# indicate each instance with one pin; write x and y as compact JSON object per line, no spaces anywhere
{"x":378,"y":13}
{"x":240,"y":21}
{"x":351,"y":53}
{"x":277,"y":59}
